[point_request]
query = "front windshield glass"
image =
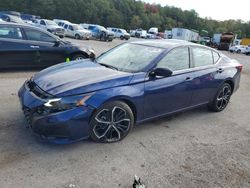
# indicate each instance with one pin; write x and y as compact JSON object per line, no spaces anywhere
{"x":129,"y":57}
{"x":49,"y":22}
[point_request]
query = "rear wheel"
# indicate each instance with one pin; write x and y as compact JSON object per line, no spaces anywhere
{"x":221,"y":99}
{"x":121,"y":37}
{"x":111,"y":122}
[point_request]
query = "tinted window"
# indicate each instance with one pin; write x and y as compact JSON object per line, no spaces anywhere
{"x":38,"y":36}
{"x":216,"y":56}
{"x":42,"y":22}
{"x":202,"y":57}
{"x":10,"y":32}
{"x":177,"y":59}
{"x":71,"y":28}
{"x":65,"y":26}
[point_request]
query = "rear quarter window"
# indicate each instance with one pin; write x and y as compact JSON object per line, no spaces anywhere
{"x":216,"y":56}
{"x":202,"y":57}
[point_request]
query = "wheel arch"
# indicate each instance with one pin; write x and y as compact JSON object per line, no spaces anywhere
{"x":231,"y":83}
{"x":80,"y":53}
{"x":124,"y":99}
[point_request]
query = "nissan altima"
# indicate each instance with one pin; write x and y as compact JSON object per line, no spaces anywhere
{"x":103,"y":98}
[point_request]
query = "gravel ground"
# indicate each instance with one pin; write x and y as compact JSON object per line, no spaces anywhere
{"x":191,"y":149}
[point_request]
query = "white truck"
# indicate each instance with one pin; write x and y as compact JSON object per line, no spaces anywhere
{"x":50,"y":26}
{"x":76,"y":31}
{"x":119,"y":33}
{"x":185,"y":34}
{"x":152,"y":33}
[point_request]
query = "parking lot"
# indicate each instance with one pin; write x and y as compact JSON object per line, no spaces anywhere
{"x":197,"y":148}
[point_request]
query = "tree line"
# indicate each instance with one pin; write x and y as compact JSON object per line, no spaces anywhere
{"x":128,"y":14}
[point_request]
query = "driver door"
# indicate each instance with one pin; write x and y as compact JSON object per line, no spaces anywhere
{"x":164,"y":95}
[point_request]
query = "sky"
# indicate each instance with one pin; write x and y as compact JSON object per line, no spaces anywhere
{"x":215,"y":9}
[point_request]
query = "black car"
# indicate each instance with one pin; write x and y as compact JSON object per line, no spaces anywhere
{"x":24,"y":46}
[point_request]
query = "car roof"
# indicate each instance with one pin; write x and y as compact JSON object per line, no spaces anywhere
{"x":25,"y":25}
{"x":166,"y":43}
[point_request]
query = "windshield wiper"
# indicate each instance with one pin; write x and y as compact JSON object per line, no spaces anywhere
{"x":109,"y":66}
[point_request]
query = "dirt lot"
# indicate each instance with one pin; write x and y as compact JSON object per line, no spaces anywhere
{"x":192,"y":149}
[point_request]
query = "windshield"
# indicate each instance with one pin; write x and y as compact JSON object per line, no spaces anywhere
{"x":129,"y":57}
{"x":49,"y":22}
{"x":77,"y":27}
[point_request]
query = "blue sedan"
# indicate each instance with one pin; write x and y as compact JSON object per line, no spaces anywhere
{"x":103,"y":98}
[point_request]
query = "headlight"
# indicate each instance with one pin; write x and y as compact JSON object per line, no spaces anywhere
{"x":67,"y":103}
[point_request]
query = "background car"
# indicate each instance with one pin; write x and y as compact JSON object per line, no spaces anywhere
{"x":119,"y":33}
{"x":50,"y":26}
{"x":104,"y":97}
{"x":24,"y":46}
{"x":101,"y":33}
{"x":248,"y":50}
{"x":238,"y":49}
{"x":11,"y":18}
{"x":76,"y":31}
{"x":60,"y":22}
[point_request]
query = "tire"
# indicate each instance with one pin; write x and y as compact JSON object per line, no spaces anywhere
{"x":77,"y":57}
{"x":238,"y":51}
{"x":221,"y":99}
{"x":77,"y":36}
{"x":121,"y":37}
{"x":103,"y":126}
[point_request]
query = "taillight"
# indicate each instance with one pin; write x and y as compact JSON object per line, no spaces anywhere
{"x":239,"y":67}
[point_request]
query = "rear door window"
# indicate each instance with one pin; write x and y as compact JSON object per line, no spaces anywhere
{"x":38,"y":36}
{"x":10,"y":32}
{"x":202,"y":57}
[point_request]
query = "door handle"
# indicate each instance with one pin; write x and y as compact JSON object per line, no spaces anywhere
{"x":188,"y":78}
{"x":34,"y":46}
{"x":220,"y":70}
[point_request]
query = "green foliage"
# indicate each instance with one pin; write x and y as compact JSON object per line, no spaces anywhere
{"x":128,"y":14}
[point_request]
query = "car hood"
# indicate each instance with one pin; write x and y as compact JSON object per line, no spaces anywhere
{"x":83,"y":31}
{"x":78,"y":77}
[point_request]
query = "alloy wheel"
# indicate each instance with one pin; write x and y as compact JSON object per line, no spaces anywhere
{"x":111,"y":124}
{"x":223,"y":97}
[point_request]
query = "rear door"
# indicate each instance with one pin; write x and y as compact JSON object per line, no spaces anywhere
{"x":48,"y":53}
{"x":206,"y":74}
{"x":14,"y":50}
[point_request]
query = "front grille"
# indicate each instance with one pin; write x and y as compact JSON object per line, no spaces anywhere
{"x":31,"y":85}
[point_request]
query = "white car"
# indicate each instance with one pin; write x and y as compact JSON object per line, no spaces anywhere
{"x":140,"y":33}
{"x":238,"y":49}
{"x":119,"y":33}
{"x":50,"y":26}
{"x":76,"y":31}
{"x":61,"y":22}
{"x":248,"y":50}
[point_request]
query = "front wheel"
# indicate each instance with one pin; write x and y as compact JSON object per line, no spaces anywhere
{"x":221,"y":99}
{"x":77,"y":36}
{"x":111,"y":122}
{"x":78,"y":57}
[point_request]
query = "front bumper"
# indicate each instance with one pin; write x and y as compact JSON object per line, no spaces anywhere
{"x":60,"y":127}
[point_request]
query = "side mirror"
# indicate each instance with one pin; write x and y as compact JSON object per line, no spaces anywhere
{"x":57,"y":43}
{"x":92,"y":54}
{"x":162,"y":72}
